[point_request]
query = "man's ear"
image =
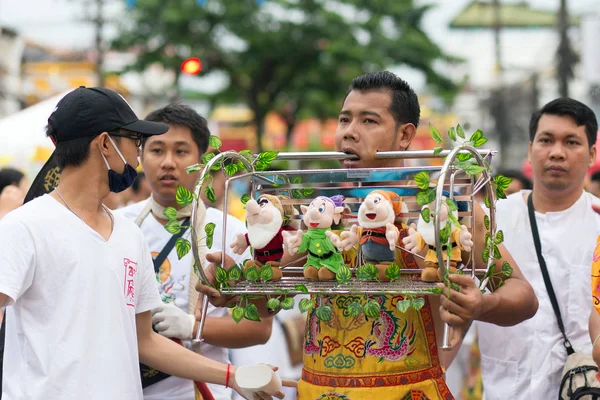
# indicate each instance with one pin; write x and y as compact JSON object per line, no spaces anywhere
{"x":404,"y":136}
{"x":592,"y":156}
{"x":103,"y":143}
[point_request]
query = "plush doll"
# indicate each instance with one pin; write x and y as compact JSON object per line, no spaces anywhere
{"x":323,"y":258}
{"x":424,"y":235}
{"x":376,"y":231}
{"x":267,"y":218}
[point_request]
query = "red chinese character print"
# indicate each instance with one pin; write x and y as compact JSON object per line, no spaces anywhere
{"x":130,"y":270}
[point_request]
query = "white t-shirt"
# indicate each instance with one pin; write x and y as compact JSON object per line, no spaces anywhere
{"x":173,"y":281}
{"x":525,"y":361}
{"x":71,"y":332}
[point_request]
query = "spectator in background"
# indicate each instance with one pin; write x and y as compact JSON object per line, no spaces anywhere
{"x":13,"y":187}
{"x":594,"y":186}
{"x":140,"y":190}
{"x":519,"y":181}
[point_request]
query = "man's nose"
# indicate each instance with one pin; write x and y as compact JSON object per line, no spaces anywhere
{"x":557,"y":151}
{"x":351,"y":134}
{"x":168,"y":161}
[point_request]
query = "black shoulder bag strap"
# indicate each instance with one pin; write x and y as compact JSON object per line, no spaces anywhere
{"x":544,"y":268}
{"x":149,"y":375}
{"x":169,"y":246}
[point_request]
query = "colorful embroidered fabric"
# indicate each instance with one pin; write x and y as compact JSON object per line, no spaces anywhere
{"x":393,"y":356}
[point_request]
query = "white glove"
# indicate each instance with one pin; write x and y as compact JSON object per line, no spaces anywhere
{"x":392,"y":235}
{"x":239,"y":245}
{"x":412,"y":240}
{"x":172,"y":322}
{"x":465,"y":238}
{"x":292,"y":241}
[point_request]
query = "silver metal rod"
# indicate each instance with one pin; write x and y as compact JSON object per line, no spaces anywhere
{"x":338,"y":155}
{"x":198,"y":338}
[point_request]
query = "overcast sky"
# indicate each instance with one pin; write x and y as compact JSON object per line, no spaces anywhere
{"x":62,"y":23}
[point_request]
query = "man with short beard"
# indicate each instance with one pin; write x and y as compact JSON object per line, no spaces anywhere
{"x":525,"y":361}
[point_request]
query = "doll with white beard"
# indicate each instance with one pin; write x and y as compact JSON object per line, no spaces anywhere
{"x":266,"y":218}
{"x":376,"y":231}
{"x":424,"y":234}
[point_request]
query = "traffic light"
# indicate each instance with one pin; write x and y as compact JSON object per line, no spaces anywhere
{"x":191,"y":66}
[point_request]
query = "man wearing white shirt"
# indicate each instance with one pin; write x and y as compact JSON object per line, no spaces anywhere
{"x":525,"y":361}
{"x":164,"y":161}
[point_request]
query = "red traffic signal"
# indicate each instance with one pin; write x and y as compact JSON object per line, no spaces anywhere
{"x":191,"y":66}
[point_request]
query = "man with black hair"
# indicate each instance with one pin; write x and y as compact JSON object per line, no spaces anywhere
{"x":164,"y":160}
{"x":525,"y":361}
{"x":79,"y":279}
{"x":394,"y":356}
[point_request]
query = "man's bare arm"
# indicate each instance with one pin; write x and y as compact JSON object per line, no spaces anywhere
{"x":225,"y":332}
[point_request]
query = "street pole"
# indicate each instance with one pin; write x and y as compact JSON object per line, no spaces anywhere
{"x":566,"y":56}
{"x":99,"y":22}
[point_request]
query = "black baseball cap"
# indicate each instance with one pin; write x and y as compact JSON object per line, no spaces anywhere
{"x":86,"y":112}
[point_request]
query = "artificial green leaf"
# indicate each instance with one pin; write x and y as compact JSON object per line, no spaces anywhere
{"x":417,"y":303}
{"x":452,"y":134}
{"x":500,"y":284}
{"x":209,"y":192}
{"x":170,"y":213}
{"x":231,"y":169}
{"x":217,"y":166}
{"x":173,"y":227}
{"x":323,"y":313}
{"x":497,"y":254}
{"x":451,"y":203}
{"x":490,"y":271}
{"x":209,"y":229}
{"x":460,"y":132}
{"x":221,"y":274}
{"x":445,"y":233}
{"x":372,"y":309}
{"x":452,"y":218}
{"x":207,"y":157}
{"x":273,"y":304}
{"x":392,"y":272}
{"x":246,"y":153}
{"x":403,"y":305}
{"x":435,"y":134}
{"x":476,"y":136}
{"x":426,"y":214}
{"x":486,"y":201}
{"x":296,"y":179}
{"x":502,"y":182}
{"x":297,"y":193}
{"x":234,"y":273}
{"x":343,"y":274}
{"x":488,"y":239}
{"x":506,"y":269}
{"x":287,"y":303}
{"x":264,"y":160}
{"x":474,"y":169}
{"x":266,"y":273}
{"x":462,"y":157}
{"x":251,"y":274}
{"x":486,"y":222}
{"x":422,"y":180}
{"x":251,"y":313}
{"x":183,"y":197}
{"x":354,"y":309}
{"x":194,"y":168}
{"x":499,"y":238}
{"x":305,"y":305}
{"x":480,"y":142}
{"x":426,"y":196}
{"x":301,"y":289}
{"x":437,"y":150}
{"x":245,"y":198}
{"x":214,"y":142}
{"x":308,"y":192}
{"x":182,"y":246}
{"x":367,"y":272}
{"x":237,"y":313}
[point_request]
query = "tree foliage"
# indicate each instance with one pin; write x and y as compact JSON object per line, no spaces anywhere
{"x":294,"y":56}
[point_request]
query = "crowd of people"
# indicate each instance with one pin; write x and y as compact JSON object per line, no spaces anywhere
{"x":80,"y":268}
